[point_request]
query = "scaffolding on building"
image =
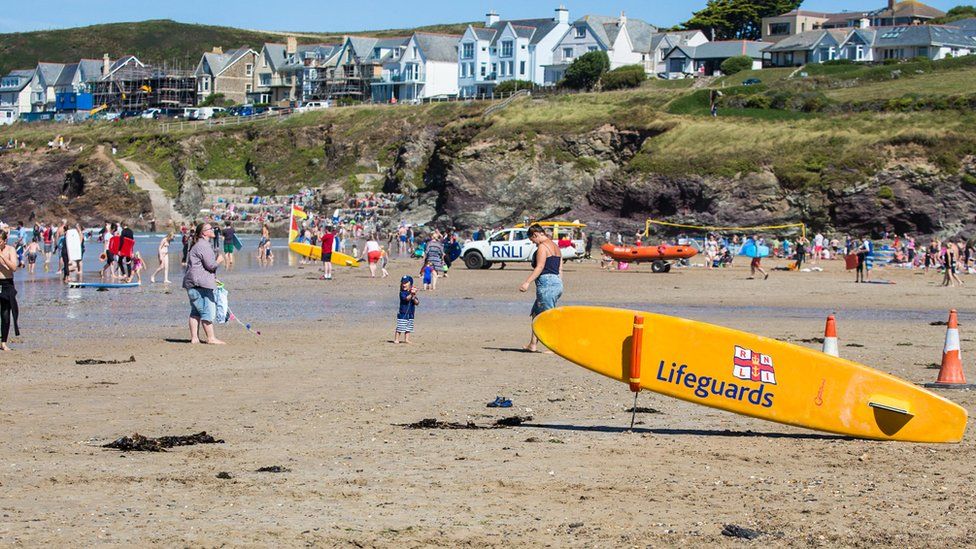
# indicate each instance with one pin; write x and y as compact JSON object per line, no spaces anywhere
{"x":351,"y":82}
{"x":137,"y":88}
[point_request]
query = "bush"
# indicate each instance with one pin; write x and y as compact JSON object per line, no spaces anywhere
{"x":628,"y":76}
{"x":216,"y":100}
{"x":586,"y":70}
{"x":891,"y":62}
{"x":736,"y":64}
{"x":510,"y":86}
{"x":885,"y":193}
{"x":833,"y":62}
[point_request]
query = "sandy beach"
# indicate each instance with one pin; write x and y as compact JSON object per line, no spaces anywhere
{"x":324,"y":394}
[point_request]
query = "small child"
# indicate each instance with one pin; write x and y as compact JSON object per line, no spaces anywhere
{"x":429,"y":274}
{"x":138,"y":266}
{"x":384,"y":260}
{"x":408,"y":306}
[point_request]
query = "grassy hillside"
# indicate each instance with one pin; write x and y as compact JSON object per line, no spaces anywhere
{"x":153,"y":41}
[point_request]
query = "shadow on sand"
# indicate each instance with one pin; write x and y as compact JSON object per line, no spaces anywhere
{"x":684,"y":432}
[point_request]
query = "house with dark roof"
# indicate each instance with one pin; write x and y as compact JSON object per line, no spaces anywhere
{"x":807,"y":47}
{"x":43,"y":97}
{"x":517,"y":49}
{"x":663,"y":42}
{"x":15,"y":94}
{"x":426,"y":68}
{"x":231,"y":74}
{"x":627,"y":42}
{"x":359,"y":63}
{"x":906,"y":12}
{"x":931,"y":41}
{"x":73,"y":90}
{"x":290,"y":72}
{"x":707,"y":59}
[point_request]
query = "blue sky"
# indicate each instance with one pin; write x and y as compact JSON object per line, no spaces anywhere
{"x":343,"y":15}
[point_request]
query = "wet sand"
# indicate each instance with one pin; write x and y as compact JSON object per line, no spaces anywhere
{"x":322,"y":393}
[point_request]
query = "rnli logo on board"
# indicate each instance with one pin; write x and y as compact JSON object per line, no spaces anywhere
{"x":753,"y":366}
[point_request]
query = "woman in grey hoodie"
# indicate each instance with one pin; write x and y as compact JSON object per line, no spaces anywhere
{"x":200,"y":281}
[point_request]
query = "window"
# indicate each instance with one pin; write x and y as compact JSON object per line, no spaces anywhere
{"x":265,"y":79}
{"x":507,"y":48}
{"x":464,"y":70}
{"x":249,"y":69}
{"x":494,"y":68}
{"x":206,"y":84}
{"x":415,"y":52}
{"x":860,"y":53}
{"x":467,"y":50}
{"x":777,"y":29}
{"x":511,"y":68}
{"x":484,"y":69}
{"x":522,"y":68}
{"x":580,"y":32}
{"x":567,"y":53}
{"x":503,"y":69}
{"x":923,"y":51}
{"x":591,"y":48}
{"x":499,"y":237}
{"x":248,"y":88}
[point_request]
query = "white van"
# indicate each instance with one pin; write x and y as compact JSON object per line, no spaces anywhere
{"x":205,"y":113}
{"x":314,"y":106}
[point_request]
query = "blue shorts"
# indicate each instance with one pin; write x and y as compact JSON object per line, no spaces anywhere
{"x":203,"y":304}
{"x":548,"y":290}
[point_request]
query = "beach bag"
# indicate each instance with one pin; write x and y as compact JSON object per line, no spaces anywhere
{"x":223,"y":307}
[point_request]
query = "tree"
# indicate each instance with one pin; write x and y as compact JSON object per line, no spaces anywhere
{"x":737,"y":19}
{"x":510,"y":86}
{"x":955,"y":14}
{"x":586,"y":70}
{"x":736,"y":64}
{"x":216,"y":100}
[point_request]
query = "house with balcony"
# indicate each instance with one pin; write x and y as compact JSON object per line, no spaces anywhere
{"x":360,"y":63}
{"x":290,"y":72}
{"x":906,"y":12}
{"x":707,"y":59}
{"x":518,"y":49}
{"x":15,"y":94}
{"x":427,"y":68}
{"x":627,"y":42}
{"x":931,"y":41}
{"x":43,"y":97}
{"x":808,"y":47}
{"x":232,"y":74}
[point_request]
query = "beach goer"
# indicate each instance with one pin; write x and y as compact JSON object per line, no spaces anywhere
{"x":862,"y":254}
{"x":228,"y":234}
{"x":32,"y":251}
{"x":547,"y":268}
{"x":407,"y":310}
{"x":8,"y":292}
{"x":756,"y":263}
{"x":371,"y":252}
{"x":328,"y":246}
{"x":200,"y":281}
{"x":429,"y":275}
{"x":434,"y":254}
{"x":138,"y":266}
{"x":125,"y":263}
{"x":384,"y":261}
{"x":163,"y":255}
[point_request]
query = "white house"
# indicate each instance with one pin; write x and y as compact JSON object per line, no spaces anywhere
{"x":626,"y":41}
{"x":507,"y":50}
{"x":43,"y":97}
{"x":426,"y":68}
{"x":808,"y":47}
{"x":15,"y":95}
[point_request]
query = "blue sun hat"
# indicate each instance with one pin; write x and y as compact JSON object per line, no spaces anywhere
{"x":406,"y":278}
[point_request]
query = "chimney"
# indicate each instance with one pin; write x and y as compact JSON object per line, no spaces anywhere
{"x":106,"y":64}
{"x":292,"y":45}
{"x":864,"y":23}
{"x":217,"y":49}
{"x":891,"y":5}
{"x":623,"y":19}
{"x":491,"y":18}
{"x":562,"y":15}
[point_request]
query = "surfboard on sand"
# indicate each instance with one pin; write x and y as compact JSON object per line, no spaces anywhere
{"x":103,"y":285}
{"x":237,"y":243}
{"x":72,"y":240}
{"x":751,"y":375}
{"x":315,"y":253}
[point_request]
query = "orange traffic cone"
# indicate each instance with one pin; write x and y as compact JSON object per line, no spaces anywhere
{"x":950,"y":374}
{"x":830,"y":337}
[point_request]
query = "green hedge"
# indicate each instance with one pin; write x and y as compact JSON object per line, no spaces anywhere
{"x":510,"y":86}
{"x":628,"y":76}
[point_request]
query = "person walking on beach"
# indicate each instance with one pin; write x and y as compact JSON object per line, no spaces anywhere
{"x":8,"y":292}
{"x":547,"y":270}
{"x":163,"y":255}
{"x":125,"y":261}
{"x":862,"y":255}
{"x":407,"y":310}
{"x":228,"y":234}
{"x":434,"y":254}
{"x":200,"y":281}
{"x":372,"y":253}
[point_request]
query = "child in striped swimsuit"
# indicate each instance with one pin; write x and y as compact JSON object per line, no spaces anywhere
{"x":408,"y":305}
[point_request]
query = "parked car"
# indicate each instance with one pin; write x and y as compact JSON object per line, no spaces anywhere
{"x":205,"y":113}
{"x":509,"y":246}
{"x":152,"y":114}
{"x":314,"y":106}
{"x":751,"y":81}
{"x":130,"y":114}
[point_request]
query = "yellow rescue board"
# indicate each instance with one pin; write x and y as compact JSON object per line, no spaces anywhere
{"x":315,"y":253}
{"x":751,"y":375}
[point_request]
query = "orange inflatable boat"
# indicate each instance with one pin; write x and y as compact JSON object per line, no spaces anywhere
{"x":637,"y":254}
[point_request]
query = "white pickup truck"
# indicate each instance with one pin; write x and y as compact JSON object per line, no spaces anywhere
{"x":509,"y":246}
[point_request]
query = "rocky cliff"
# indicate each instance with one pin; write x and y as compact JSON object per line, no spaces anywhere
{"x":49,"y":185}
